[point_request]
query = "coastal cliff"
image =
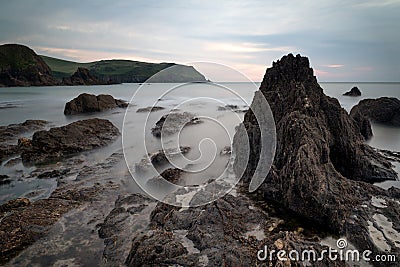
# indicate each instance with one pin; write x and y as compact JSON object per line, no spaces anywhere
{"x":21,"y":66}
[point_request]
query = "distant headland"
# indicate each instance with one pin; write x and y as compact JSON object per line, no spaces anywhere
{"x":21,"y":66}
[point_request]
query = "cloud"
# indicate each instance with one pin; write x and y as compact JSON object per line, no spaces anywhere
{"x":244,"y":47}
{"x":85,"y":55}
{"x":338,"y":36}
{"x":333,"y":66}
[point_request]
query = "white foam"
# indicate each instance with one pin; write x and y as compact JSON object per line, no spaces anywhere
{"x":186,"y":242}
{"x":257,"y":232}
{"x":378,"y":202}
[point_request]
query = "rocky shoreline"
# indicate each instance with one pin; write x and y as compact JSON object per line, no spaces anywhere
{"x":322,"y":179}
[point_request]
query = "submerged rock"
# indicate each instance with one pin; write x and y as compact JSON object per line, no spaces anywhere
{"x":60,"y":142}
{"x":353,"y":92}
{"x":174,"y":122}
{"x":9,"y":135}
{"x":159,"y":158}
{"x":384,"y":110}
{"x":85,"y":103}
{"x":4,"y":179}
{"x":149,"y":109}
{"x":321,"y":162}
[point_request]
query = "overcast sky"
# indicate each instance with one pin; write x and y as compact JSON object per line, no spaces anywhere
{"x":345,"y":40}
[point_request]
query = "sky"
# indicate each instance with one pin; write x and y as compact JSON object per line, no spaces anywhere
{"x":344,"y":40}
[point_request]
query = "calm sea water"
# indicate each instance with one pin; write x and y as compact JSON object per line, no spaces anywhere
{"x":47,"y":103}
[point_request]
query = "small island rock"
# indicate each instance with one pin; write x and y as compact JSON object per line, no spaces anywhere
{"x":353,"y":92}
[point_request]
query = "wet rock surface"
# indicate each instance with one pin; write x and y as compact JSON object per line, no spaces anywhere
{"x":62,"y":229}
{"x":385,"y":110}
{"x":9,"y":135}
{"x":60,"y":142}
{"x":321,"y":164}
{"x":353,"y":92}
{"x":130,"y":216}
{"x":390,"y":155}
{"x":227,"y":232}
{"x":85,"y":103}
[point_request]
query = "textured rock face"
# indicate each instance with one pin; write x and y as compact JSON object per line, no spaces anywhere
{"x":90,"y":103}
{"x":353,"y":92}
{"x":321,"y":155}
{"x":21,"y":66}
{"x":59,"y":142}
{"x":227,"y":232}
{"x":363,"y":123}
{"x":384,"y":110}
{"x":82,"y":76}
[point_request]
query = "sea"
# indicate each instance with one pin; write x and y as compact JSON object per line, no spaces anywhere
{"x":219,"y":106}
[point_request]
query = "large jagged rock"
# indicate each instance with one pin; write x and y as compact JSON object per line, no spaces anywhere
{"x":82,"y":76}
{"x":85,"y":103}
{"x":321,"y":162}
{"x":384,"y":110}
{"x":21,"y":66}
{"x":60,"y":142}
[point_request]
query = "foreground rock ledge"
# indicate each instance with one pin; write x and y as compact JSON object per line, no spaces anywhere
{"x":60,"y":142}
{"x":321,"y":162}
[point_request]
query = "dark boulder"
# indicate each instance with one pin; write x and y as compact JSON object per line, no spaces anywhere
{"x":321,"y":162}
{"x":91,"y":103}
{"x":384,"y":110}
{"x":353,"y":92}
{"x":59,"y":142}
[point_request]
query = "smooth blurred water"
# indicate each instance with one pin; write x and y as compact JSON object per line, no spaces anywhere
{"x":385,"y":137}
{"x":47,"y":103}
